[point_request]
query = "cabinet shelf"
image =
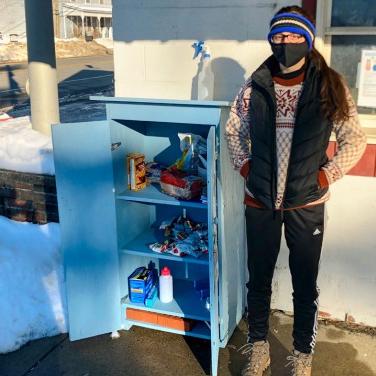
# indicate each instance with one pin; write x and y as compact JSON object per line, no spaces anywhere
{"x":186,"y":303}
{"x":200,"y":330}
{"x":152,"y":194}
{"x":140,"y":246}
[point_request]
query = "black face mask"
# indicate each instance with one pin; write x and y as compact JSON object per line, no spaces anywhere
{"x":288,"y":54}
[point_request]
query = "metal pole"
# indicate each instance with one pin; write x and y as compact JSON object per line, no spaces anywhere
{"x":42,"y":65}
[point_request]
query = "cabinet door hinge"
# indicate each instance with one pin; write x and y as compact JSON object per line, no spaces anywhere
{"x":215,"y":235}
{"x":115,"y":145}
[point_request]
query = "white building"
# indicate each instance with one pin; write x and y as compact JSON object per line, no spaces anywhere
{"x":12,"y":20}
{"x":85,"y":18}
{"x":72,"y":18}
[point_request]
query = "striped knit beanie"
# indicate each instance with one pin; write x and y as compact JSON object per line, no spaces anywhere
{"x":293,"y":23}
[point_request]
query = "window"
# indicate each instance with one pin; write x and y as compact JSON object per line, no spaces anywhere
{"x":353,"y":13}
{"x":345,"y":58}
{"x":349,"y":28}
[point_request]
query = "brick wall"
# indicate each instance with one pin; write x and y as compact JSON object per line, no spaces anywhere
{"x":28,"y":197}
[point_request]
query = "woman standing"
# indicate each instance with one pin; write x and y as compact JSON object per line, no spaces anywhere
{"x":278,"y":133}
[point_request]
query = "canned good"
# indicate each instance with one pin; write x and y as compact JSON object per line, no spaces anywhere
{"x":136,"y":171}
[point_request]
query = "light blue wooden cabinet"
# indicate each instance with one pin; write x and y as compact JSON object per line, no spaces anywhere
{"x":106,"y":228}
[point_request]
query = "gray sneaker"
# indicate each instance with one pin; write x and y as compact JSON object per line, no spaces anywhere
{"x":258,"y":358}
{"x":301,"y":363}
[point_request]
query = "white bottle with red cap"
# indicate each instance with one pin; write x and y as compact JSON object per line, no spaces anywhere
{"x":165,"y":286}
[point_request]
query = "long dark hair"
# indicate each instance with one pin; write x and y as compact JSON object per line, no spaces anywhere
{"x":335,"y":106}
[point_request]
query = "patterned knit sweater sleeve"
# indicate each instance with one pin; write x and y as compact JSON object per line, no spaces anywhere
{"x":351,"y":143}
{"x":237,"y":128}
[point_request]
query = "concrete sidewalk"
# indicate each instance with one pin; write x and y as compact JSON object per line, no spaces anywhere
{"x":143,"y":352}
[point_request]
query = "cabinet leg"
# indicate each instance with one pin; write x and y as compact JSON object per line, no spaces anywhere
{"x":126,"y":325}
{"x":115,"y":335}
{"x":214,"y":359}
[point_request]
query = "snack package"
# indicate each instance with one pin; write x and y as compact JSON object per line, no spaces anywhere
{"x":193,"y":239}
{"x":188,"y":226}
{"x":160,"y":247}
{"x":180,"y":185}
{"x":202,"y":167}
{"x":183,"y":237}
{"x":153,"y":172}
{"x":179,"y":235}
{"x":192,"y":146}
{"x":178,"y":249}
{"x":188,"y":249}
{"x":203,"y":245}
{"x":167,"y":226}
{"x":136,"y":171}
{"x":187,"y":150}
{"x":167,"y":223}
{"x":202,"y":233}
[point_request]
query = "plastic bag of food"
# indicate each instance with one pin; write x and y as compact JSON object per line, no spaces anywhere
{"x":192,"y":146}
{"x":180,"y":185}
{"x":187,"y":249}
{"x":160,"y":247}
{"x":177,"y":250}
{"x":153,"y":172}
{"x":179,"y":235}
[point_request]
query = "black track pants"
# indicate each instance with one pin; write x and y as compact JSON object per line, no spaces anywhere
{"x":304,"y":234}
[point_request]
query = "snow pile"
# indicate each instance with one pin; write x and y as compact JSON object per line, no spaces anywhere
{"x":108,"y":43}
{"x":32,"y":291}
{"x":24,"y":149}
{"x":4,"y":116}
{"x":17,"y":51}
{"x":78,"y":47}
{"x":13,"y":52}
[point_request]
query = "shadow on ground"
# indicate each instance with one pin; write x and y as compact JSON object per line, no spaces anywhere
{"x":144,"y":352}
{"x":74,"y":92}
{"x":11,"y":93}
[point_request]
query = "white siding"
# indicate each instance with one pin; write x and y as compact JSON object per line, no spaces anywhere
{"x":153,"y":44}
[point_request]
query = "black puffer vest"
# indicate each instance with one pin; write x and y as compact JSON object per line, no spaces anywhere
{"x":309,"y":143}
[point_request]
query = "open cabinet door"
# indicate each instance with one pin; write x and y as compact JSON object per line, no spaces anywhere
{"x":84,"y":180}
{"x":213,"y":247}
{"x":231,"y":240}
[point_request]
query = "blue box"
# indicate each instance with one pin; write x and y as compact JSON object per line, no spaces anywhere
{"x":152,"y":296}
{"x":140,"y":283}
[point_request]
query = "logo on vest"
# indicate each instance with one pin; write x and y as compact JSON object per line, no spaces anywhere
{"x":316,"y":232}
